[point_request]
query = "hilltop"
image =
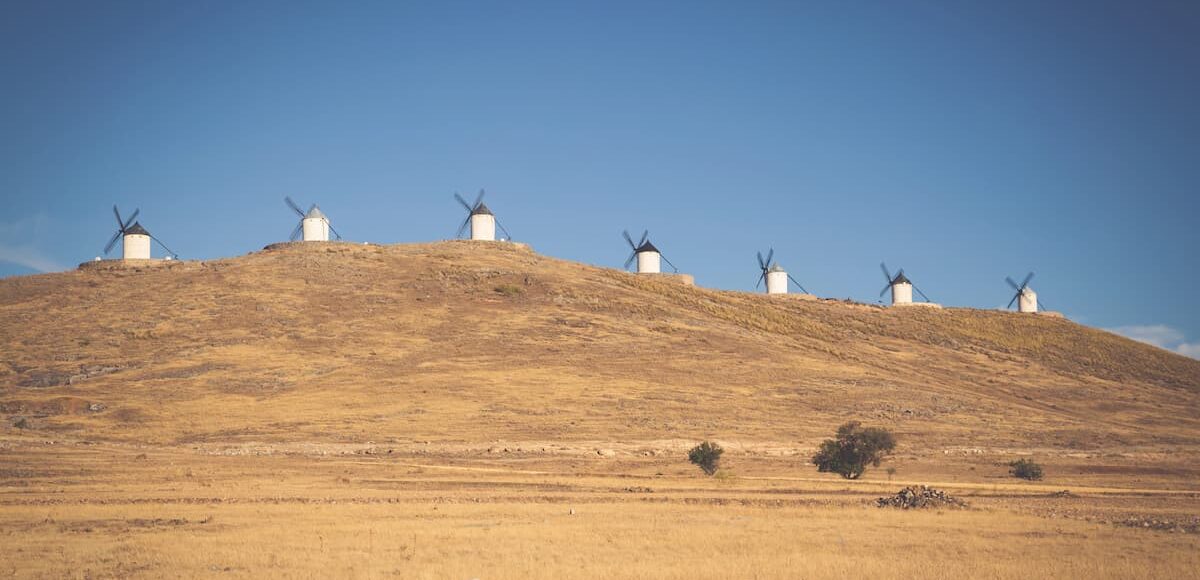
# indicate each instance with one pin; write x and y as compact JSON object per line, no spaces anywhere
{"x":460,"y":344}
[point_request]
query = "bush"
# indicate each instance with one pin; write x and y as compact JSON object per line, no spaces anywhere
{"x":707,"y":456}
{"x":854,"y":448}
{"x":1025,"y":469}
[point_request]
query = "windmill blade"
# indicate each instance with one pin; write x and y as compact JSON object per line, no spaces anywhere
{"x":886,"y":274}
{"x":1012,"y":283}
{"x":884,"y":291}
{"x":165,"y":246}
{"x":478,"y":200}
{"x":293,"y":205}
{"x":921,"y":293}
{"x":770,"y":254}
{"x":132,"y":216}
{"x":463,"y":227}
{"x":108,"y":247}
{"x":761,"y":265}
{"x":463,"y":202}
{"x":629,"y":261}
{"x":645,"y":236}
{"x":664,"y":258}
{"x":1015,"y":296}
{"x":630,"y":241}
{"x":1027,"y":279}
{"x":296,"y":232}
{"x":506,"y":234}
{"x":335,"y":232}
{"x":1041,"y":306}
{"x":760,"y":279}
{"x":797,"y":283}
{"x":120,"y":222}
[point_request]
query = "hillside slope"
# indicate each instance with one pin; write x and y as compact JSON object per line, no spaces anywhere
{"x":461,"y":343}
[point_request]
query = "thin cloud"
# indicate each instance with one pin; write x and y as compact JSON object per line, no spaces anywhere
{"x":1159,"y":335}
{"x":1162,"y":336}
{"x":29,"y":257}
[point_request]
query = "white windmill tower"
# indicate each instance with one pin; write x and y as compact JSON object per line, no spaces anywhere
{"x":649,"y":259}
{"x":481,"y":219}
{"x":135,"y":240}
{"x":1026,"y":298}
{"x":314,"y":225}
{"x":776,"y":277}
{"x":901,"y":287}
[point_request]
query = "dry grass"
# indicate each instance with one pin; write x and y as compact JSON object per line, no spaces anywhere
{"x":436,"y":410}
{"x":599,"y":541}
{"x":98,"y":512}
{"x":414,"y":342}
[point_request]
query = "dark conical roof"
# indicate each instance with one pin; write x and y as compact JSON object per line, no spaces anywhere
{"x":481,"y":209}
{"x":900,"y":278}
{"x":647,"y":247}
{"x":136,"y":229}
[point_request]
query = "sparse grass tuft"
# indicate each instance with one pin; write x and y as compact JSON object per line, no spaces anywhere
{"x":509,"y":290}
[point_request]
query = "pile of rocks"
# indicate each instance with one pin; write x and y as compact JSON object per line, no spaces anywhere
{"x":920,"y":497}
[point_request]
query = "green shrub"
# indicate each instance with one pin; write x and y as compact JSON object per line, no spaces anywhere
{"x":707,"y":456}
{"x":1025,"y":469}
{"x":854,"y":448}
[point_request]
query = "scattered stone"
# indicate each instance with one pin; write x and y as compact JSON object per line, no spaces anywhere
{"x":97,"y":407}
{"x":1063,"y":493}
{"x":606,"y":453}
{"x":638,"y":489}
{"x":920,"y":497}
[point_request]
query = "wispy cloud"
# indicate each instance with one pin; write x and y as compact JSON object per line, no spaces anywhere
{"x":18,"y":244}
{"x":1162,"y":336}
{"x":29,"y":257}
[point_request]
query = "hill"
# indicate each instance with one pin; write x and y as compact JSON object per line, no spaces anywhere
{"x":460,"y":345}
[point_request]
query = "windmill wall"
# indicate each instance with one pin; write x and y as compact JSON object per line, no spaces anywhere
{"x":1027,"y":301}
{"x":777,"y":282}
{"x":316,"y":229}
{"x":901,"y":293}
{"x":483,"y":227}
{"x":649,"y":263}
{"x":135,"y":247}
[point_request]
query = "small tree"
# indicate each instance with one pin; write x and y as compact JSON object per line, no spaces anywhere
{"x":707,"y":456}
{"x":854,"y":448}
{"x":1025,"y":469}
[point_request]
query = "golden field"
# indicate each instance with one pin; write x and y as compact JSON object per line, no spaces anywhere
{"x":476,"y":410}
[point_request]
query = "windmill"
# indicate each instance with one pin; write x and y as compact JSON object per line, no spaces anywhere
{"x":135,"y":240}
{"x":776,"y":277}
{"x":646,"y":254}
{"x":901,"y":287}
{"x":1025,"y":297}
{"x":313,"y":224}
{"x":481,"y":219}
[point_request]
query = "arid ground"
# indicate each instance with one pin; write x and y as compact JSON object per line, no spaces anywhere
{"x":477,"y":410}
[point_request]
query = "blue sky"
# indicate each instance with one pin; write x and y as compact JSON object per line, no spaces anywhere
{"x":963,"y":141}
